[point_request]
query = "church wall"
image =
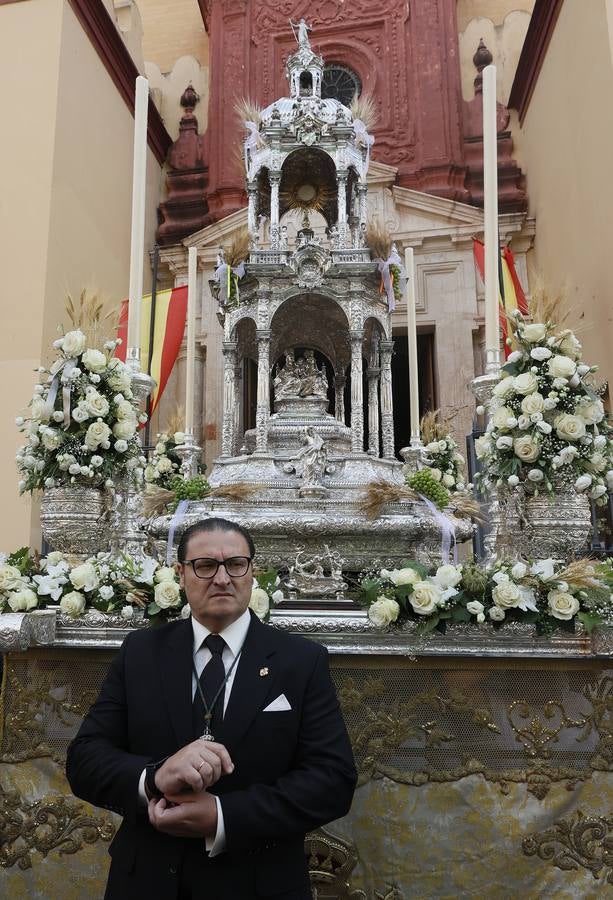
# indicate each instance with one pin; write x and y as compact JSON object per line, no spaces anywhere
{"x":29,"y":74}
{"x":564,"y":146}
{"x":68,"y":211}
{"x":503,"y":26}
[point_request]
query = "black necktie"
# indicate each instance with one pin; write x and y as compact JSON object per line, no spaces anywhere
{"x":211,"y":681}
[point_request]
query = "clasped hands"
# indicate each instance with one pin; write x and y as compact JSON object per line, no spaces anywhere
{"x":187,"y":809}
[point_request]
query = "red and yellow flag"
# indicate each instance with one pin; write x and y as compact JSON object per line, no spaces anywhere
{"x":510,"y":291}
{"x":169,"y":325}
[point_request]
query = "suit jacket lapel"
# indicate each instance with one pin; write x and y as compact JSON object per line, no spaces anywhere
{"x":254,"y":681}
{"x":176,"y":677}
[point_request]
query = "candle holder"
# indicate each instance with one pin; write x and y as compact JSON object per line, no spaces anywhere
{"x":189,"y":453}
{"x":130,"y":536}
{"x":492,"y":362}
{"x":413,"y":456}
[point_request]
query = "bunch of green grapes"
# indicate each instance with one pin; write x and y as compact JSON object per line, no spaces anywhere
{"x":423,"y":482}
{"x":190,"y":488}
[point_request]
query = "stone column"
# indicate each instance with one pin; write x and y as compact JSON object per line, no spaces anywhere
{"x":387,"y":403}
{"x":357,"y":401}
{"x":372,"y":374}
{"x":229,"y":398}
{"x":275,"y":179}
{"x":252,"y":197}
{"x":263,"y":398}
{"x":339,"y":397}
{"x":341,"y":184}
{"x":238,"y":407}
{"x":362,"y":191}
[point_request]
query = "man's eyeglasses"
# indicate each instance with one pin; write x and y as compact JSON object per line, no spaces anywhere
{"x":235,"y":566}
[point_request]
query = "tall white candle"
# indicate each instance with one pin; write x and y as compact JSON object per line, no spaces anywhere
{"x":137,"y":244}
{"x":409,"y":265}
{"x":192,"y":293}
{"x":490,"y":224}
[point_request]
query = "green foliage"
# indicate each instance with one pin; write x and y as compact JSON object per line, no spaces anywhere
{"x":194,"y":488}
{"x":424,"y":483}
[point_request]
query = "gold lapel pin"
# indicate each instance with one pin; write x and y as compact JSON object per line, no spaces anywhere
{"x":263,"y":672}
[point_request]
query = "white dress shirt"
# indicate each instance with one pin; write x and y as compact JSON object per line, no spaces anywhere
{"x":234,"y":636}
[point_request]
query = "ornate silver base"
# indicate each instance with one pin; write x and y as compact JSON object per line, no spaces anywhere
{"x":76,"y":519}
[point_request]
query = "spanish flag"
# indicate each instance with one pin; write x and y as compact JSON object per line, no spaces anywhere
{"x":170,"y":313}
{"x":510,"y":291}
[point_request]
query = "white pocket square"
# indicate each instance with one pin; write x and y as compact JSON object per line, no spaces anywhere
{"x":279,"y":705}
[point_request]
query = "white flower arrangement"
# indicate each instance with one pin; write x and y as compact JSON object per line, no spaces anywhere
{"x":110,"y":584}
{"x":445,"y":462}
{"x":265,"y":593}
{"x":165,"y":463}
{"x":543,"y":592}
{"x":83,"y":421}
{"x":547,"y":423}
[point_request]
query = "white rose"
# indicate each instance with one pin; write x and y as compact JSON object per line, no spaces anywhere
{"x":96,"y":434}
{"x":448,"y":480}
{"x":526,"y":383}
{"x":591,"y":413}
{"x":277,"y":596}
{"x":496,"y":614}
{"x":534,"y":332}
{"x":40,"y":410}
{"x":512,"y":480}
{"x":561,"y":367}
{"x":475,"y":607}
{"x":84,"y":577}
{"x":436,"y":473}
{"x":165,"y":573}
{"x":74,"y":343}
{"x":403,"y":576}
{"x":10,"y":578}
{"x":118,"y":377}
{"x":600,"y":442}
{"x":562,"y":605}
{"x":164,"y":465}
{"x":482,"y":446}
{"x":569,"y":345}
{"x":96,"y":404}
{"x":51,"y":439}
{"x":504,"y":388}
{"x":432,"y":447}
{"x":167,"y":594}
{"x":500,"y":417}
{"x":569,"y":427}
{"x":598,"y":462}
{"x":94,"y":360}
{"x":124,"y":411}
{"x":124,"y":430}
{"x":106,"y":592}
{"x":535,"y":475}
{"x":505,"y":442}
{"x":506,"y":595}
{"x":121,"y":446}
{"x":179,"y":437}
{"x":383,"y":611}
{"x":599,"y":490}
{"x":448,"y":576}
{"x":519,"y":570}
{"x":73,"y":604}
{"x":425,"y":598}
{"x":540,"y":353}
{"x":259,"y":602}
{"x":22,"y":600}
{"x":523,"y":422}
{"x":533,"y":403}
{"x":525,"y":448}
{"x":515,"y":356}
{"x":127,"y":611}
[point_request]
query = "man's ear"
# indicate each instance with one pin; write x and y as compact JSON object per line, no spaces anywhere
{"x":181,"y":571}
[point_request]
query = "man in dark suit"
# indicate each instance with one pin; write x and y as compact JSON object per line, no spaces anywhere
{"x":219,"y":740}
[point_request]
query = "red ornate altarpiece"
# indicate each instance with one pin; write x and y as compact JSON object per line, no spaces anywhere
{"x":406,"y":55}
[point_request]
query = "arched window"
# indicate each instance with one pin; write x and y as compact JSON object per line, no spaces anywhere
{"x":340,"y":83}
